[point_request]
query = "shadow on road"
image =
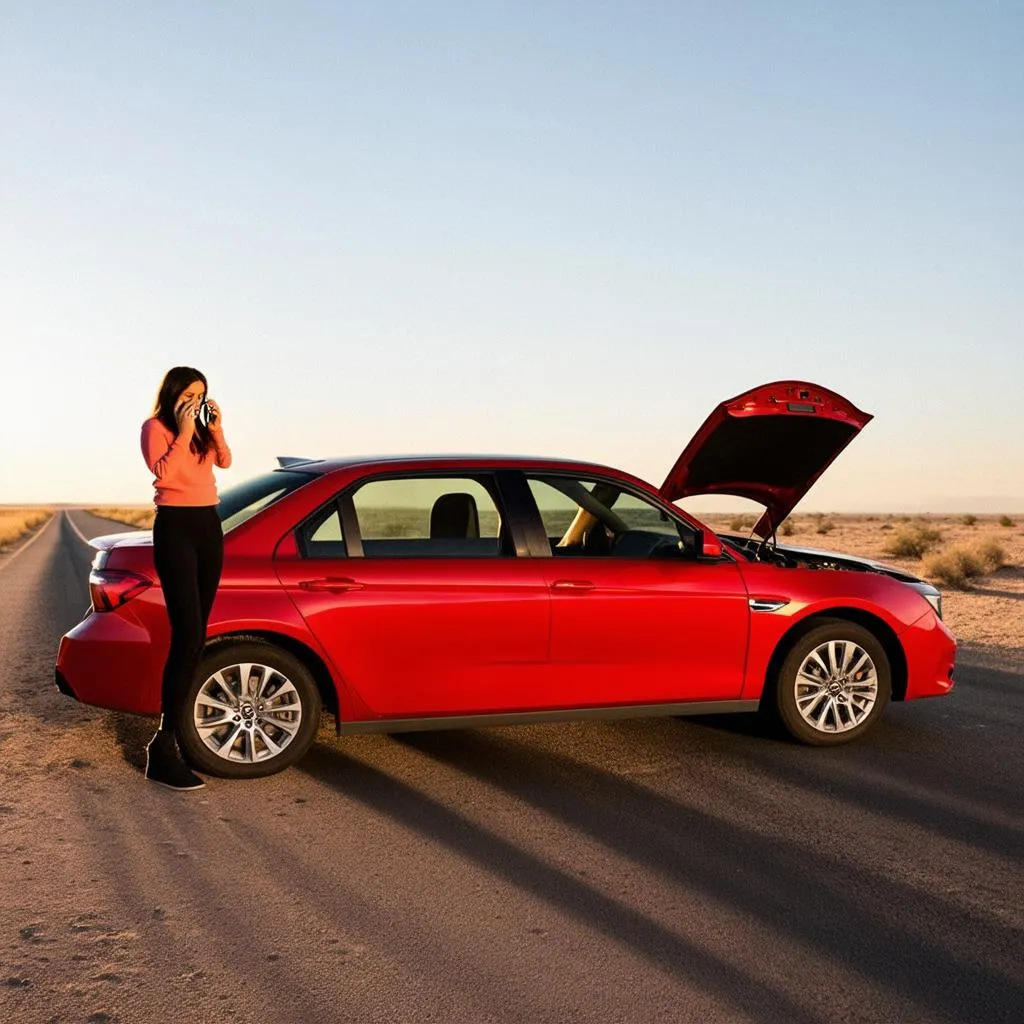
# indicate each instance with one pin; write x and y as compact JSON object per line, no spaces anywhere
{"x":132,"y":733}
{"x":911,"y":749}
{"x":852,"y":914}
{"x":570,"y":894}
{"x":847,"y":912}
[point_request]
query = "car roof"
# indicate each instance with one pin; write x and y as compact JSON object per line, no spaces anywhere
{"x":444,"y":460}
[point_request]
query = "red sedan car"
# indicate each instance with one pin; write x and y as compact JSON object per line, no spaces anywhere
{"x":431,"y":592}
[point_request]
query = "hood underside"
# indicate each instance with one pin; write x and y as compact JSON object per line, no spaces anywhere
{"x":769,"y":445}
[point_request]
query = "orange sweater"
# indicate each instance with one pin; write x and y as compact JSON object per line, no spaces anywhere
{"x":181,"y":476}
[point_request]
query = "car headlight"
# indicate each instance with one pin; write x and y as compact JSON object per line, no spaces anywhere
{"x":934,"y":598}
{"x":929,"y":593}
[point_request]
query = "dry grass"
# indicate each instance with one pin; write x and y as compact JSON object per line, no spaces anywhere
{"x":913,"y":540}
{"x":132,"y":516}
{"x":958,"y":564}
{"x":955,"y":566}
{"x":992,"y":554}
{"x":16,"y":522}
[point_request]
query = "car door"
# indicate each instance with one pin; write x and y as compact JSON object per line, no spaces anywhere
{"x":636,"y":616}
{"x":413,"y":587}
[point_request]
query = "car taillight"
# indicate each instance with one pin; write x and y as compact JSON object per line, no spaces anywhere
{"x":109,"y":588}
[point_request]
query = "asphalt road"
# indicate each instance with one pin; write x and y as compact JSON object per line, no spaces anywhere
{"x":675,"y":870}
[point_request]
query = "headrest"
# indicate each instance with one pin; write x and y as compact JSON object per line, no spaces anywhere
{"x":455,"y":515}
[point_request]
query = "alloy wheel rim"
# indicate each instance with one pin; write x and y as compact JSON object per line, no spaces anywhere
{"x":247,"y":712}
{"x":836,"y":686}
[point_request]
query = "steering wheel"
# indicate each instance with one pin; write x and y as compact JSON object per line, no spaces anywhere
{"x":666,"y":548}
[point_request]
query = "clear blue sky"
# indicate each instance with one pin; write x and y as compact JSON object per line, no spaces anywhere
{"x":560,"y":228}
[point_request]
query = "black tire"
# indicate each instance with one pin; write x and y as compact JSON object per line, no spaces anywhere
{"x":842,"y":701}
{"x":252,"y":756}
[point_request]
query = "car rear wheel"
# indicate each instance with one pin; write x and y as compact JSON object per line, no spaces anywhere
{"x":833,"y":684}
{"x":252,"y":710}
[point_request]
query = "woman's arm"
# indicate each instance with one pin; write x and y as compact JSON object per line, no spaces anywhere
{"x":164,"y":458}
{"x":220,"y":446}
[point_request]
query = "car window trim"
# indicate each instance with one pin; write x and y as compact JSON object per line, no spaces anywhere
{"x":350,"y":525}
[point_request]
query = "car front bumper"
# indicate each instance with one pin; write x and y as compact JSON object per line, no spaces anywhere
{"x":930,"y":650}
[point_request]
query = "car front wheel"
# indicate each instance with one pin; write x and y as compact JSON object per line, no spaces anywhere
{"x":252,"y":710}
{"x":833,"y":684}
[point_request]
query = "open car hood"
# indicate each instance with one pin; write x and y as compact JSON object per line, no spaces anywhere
{"x":769,"y":444}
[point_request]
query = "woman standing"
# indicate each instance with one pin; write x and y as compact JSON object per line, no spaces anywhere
{"x":181,"y":442}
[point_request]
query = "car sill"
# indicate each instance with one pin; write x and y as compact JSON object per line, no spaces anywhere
{"x":707,"y":707}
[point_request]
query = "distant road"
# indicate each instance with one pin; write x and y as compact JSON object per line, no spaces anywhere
{"x":603,"y":872}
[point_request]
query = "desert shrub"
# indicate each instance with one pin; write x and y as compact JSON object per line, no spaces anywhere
{"x":968,"y":520}
{"x":1006,"y":521}
{"x":913,"y":540}
{"x":991,"y":554}
{"x":825,"y":526}
{"x":886,"y":526}
{"x":741,"y":522}
{"x":787,"y":529}
{"x":954,"y":566}
{"x":957,"y":565}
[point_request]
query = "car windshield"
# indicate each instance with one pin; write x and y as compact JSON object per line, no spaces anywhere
{"x":244,"y":500}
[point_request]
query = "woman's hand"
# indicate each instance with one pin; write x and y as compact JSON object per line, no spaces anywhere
{"x":185,"y":414}
{"x":216,"y":420}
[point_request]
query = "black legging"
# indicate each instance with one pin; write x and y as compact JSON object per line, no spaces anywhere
{"x":188,"y":548}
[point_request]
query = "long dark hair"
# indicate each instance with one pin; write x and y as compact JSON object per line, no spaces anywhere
{"x":175,"y":381}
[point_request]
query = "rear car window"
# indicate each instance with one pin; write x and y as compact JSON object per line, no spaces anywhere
{"x":429,"y":517}
{"x":244,"y":500}
{"x":322,"y":535}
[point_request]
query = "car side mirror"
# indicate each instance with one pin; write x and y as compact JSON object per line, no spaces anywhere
{"x":710,"y":545}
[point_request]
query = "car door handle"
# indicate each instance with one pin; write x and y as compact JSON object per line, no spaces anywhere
{"x":331,"y":584}
{"x":572,"y":585}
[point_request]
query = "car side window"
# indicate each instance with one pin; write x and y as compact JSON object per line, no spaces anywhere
{"x":600,"y":518}
{"x":322,"y":535}
{"x":430,"y":517}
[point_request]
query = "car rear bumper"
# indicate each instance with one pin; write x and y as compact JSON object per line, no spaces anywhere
{"x":111,"y":662}
{"x":63,"y":685}
{"x":931,"y":658}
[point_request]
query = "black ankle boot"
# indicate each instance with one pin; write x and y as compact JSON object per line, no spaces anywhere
{"x":164,"y":764}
